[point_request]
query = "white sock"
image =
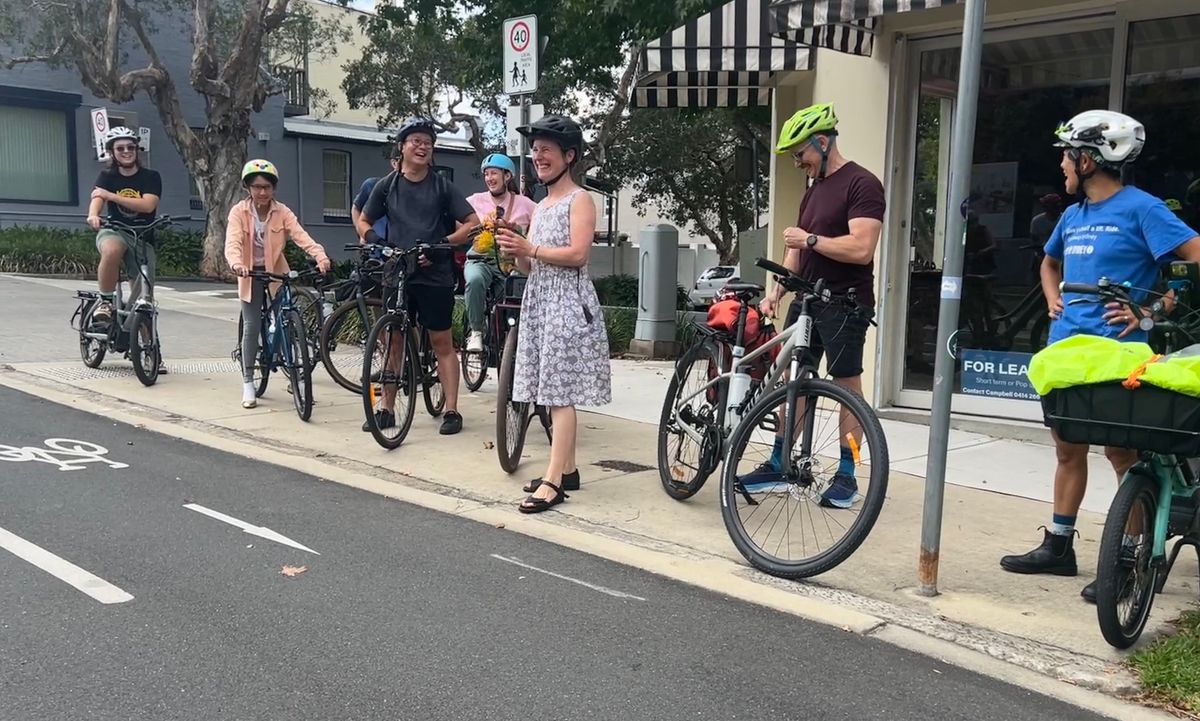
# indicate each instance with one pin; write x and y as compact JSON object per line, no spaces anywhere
{"x":248,"y":391}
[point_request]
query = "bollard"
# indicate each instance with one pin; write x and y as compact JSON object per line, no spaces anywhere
{"x":658,"y":263}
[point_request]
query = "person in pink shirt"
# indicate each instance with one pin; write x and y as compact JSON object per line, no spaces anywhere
{"x":481,"y":271}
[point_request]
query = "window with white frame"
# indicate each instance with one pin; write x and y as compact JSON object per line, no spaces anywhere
{"x":335,"y":182}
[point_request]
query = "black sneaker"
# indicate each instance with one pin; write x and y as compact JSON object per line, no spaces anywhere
{"x":570,"y":482}
{"x":451,"y":423}
{"x":1056,"y":556}
{"x":383,"y":419}
{"x":1089,"y":592}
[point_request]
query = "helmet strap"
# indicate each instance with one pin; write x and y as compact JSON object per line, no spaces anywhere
{"x":824,"y":156}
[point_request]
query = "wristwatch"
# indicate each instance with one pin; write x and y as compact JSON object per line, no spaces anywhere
{"x":812,"y":240}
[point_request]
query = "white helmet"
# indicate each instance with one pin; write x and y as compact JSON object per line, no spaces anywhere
{"x":1116,"y":137}
{"x":120,"y":132}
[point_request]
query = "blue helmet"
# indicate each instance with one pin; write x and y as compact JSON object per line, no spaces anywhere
{"x":500,"y":162}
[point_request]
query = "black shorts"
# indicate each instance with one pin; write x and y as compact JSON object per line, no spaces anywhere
{"x":431,"y":306}
{"x":838,"y":334}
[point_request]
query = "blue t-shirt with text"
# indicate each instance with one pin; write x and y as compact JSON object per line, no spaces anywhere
{"x":1126,"y":238}
{"x":360,"y":202}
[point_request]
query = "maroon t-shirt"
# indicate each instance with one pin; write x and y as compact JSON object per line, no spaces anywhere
{"x":828,"y":206}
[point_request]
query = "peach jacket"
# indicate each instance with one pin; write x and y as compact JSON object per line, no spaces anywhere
{"x":281,"y":225}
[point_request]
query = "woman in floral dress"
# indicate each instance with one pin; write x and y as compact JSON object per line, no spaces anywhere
{"x":562,"y":344}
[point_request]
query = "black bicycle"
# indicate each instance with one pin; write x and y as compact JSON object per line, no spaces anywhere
{"x":343,"y":334}
{"x":475,"y":364}
{"x":513,"y":417}
{"x":399,"y":358}
{"x":133,"y":330}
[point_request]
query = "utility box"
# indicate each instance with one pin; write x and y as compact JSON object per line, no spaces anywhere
{"x":658,"y":268}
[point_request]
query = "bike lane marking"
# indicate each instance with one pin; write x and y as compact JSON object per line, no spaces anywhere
{"x":62,"y":569}
{"x":260,"y":531}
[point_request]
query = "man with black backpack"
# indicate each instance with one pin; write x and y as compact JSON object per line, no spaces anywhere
{"x":421,"y":206}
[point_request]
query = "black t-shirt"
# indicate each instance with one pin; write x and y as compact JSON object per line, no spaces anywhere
{"x":143,"y":182}
{"x":827,"y":209}
{"x":421,"y":212}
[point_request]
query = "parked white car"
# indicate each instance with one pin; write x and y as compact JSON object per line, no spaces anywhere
{"x":709,"y":282}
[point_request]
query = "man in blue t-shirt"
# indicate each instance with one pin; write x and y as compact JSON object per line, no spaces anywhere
{"x":364,"y":193}
{"x":1115,"y":232}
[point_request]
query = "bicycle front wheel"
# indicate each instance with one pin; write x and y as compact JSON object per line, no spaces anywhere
{"x":299,"y":364}
{"x":512,"y":417}
{"x":431,"y":382}
{"x":389,"y":381}
{"x":1126,"y":574}
{"x":143,"y":349}
{"x":811,"y":519}
{"x":344,"y":340}
{"x":685,"y":463}
{"x":475,"y":365}
{"x":308,"y":302}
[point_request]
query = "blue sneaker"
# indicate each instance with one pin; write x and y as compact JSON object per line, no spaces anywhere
{"x":764,"y":479}
{"x":842,"y":492}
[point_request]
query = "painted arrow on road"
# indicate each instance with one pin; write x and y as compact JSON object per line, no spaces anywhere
{"x":260,"y":531}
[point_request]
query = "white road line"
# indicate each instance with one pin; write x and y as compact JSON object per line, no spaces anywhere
{"x":62,"y":569}
{"x":260,"y":531}
{"x":585,"y":584}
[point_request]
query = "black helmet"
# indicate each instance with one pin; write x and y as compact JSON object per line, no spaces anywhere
{"x":564,"y":131}
{"x":416,"y":125}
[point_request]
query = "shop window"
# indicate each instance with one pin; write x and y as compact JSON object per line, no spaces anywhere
{"x":1027,"y":87}
{"x":35,"y":162}
{"x":1162,"y":90}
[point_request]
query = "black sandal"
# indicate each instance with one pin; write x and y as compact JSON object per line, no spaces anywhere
{"x":570,"y":482}
{"x":537,"y":505}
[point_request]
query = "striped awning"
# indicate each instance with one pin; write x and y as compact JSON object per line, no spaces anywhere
{"x":847,"y":26}
{"x":726,"y":58}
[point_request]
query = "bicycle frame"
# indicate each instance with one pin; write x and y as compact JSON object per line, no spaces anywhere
{"x":277,"y":309}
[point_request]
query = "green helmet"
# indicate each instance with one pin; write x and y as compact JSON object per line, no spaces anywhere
{"x":1173,"y":204}
{"x":814,"y":119}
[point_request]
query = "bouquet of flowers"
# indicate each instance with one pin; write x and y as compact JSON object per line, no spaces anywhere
{"x":485,"y":244}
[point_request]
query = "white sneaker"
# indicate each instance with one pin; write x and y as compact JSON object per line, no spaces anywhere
{"x":475,"y":342}
{"x":249,"y":399}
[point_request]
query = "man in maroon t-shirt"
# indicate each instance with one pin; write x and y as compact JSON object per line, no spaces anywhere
{"x":841,"y":218}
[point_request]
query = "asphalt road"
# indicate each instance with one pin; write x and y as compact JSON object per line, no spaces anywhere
{"x":404,"y":614}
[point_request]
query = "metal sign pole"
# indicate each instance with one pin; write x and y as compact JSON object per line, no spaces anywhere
{"x":962,"y":148}
{"x":524,"y":140}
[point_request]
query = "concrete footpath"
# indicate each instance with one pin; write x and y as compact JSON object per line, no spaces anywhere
{"x":1036,"y":622}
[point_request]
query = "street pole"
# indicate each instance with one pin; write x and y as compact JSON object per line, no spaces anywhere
{"x":524,"y":140}
{"x":962,"y":148}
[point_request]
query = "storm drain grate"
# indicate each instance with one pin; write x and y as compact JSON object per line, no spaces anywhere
{"x":623,"y":466}
{"x":123,"y":369}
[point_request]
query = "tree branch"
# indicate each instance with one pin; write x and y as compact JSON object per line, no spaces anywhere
{"x":696,"y":213}
{"x":204,"y":65}
{"x":112,"y":35}
{"x":50,"y":57}
{"x":275,"y":17}
{"x":620,"y":102}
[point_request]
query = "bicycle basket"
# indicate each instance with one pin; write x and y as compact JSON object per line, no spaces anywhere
{"x":1106,"y":414}
{"x":514,"y":287}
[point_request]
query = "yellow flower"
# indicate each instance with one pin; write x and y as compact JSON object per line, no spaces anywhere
{"x":485,"y":241}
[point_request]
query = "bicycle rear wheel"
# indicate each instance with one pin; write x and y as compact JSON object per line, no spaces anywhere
{"x":307,"y":301}
{"x":684,"y":463}
{"x":298,"y":364}
{"x":755,"y":501}
{"x":1126,"y":572}
{"x":143,"y":349}
{"x":261,"y":374}
{"x":431,"y":382}
{"x":475,"y":365}
{"x":512,"y":417}
{"x":389,"y":381}
{"x":344,"y":340}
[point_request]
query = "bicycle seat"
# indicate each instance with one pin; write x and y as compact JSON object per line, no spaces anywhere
{"x":741,"y":288}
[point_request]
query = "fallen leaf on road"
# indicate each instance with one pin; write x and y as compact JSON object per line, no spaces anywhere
{"x":489,"y":445}
{"x":293,"y":571}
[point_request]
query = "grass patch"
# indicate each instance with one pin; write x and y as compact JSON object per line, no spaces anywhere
{"x":1170,"y":669}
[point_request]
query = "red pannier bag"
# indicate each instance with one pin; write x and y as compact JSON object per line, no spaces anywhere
{"x":722,"y":316}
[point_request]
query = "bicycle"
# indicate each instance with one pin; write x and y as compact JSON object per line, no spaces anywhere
{"x":343,"y":334}
{"x":405,"y":361}
{"x":475,"y":364}
{"x":282,"y":341}
{"x":1159,"y":492}
{"x":134,"y":328}
{"x":513,"y":417}
{"x":722,"y":416}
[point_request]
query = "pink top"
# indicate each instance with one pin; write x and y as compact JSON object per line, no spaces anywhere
{"x":521,"y":212}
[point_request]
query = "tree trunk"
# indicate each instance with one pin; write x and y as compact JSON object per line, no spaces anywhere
{"x":218,"y":177}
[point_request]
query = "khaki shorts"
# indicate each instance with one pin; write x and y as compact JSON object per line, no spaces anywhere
{"x":133,"y":251}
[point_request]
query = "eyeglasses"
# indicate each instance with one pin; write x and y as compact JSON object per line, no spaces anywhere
{"x":124,"y":148}
{"x":420,"y":143}
{"x":261,"y":186}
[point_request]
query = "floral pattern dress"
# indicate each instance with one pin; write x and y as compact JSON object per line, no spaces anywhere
{"x":562,"y":343}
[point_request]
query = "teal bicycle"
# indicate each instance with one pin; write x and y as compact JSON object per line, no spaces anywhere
{"x":1157,"y":498}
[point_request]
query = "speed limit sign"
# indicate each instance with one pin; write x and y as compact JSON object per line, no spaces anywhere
{"x":520,"y":55}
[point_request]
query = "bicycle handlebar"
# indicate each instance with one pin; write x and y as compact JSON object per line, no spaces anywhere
{"x":816,"y":290}
{"x":158,"y":222}
{"x":1107,"y":291}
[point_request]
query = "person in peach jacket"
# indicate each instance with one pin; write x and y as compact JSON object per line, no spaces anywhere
{"x":257,"y":231}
